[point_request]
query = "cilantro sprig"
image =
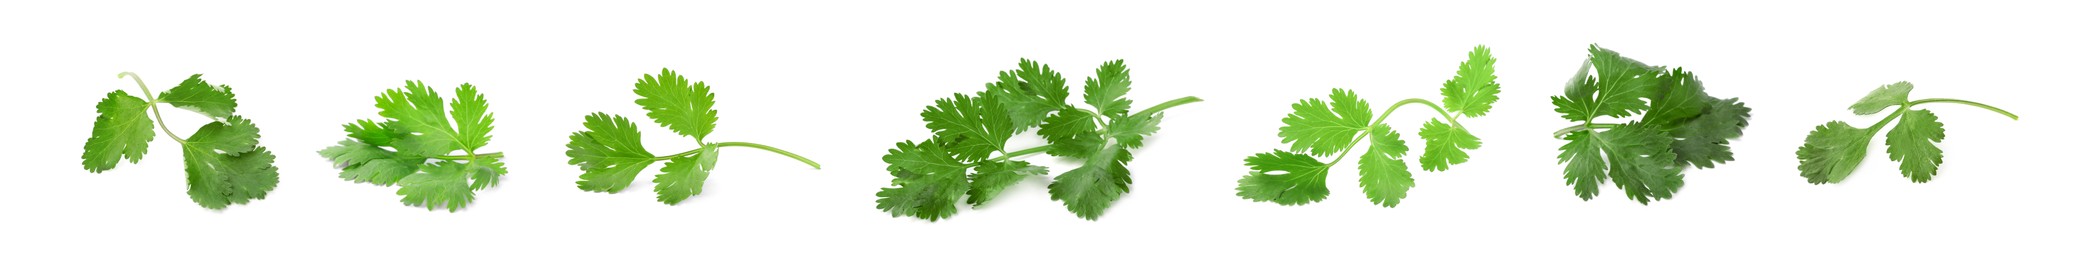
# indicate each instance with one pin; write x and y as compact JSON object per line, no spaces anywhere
{"x":414,"y":147}
{"x":1336,"y":127}
{"x":610,"y":150}
{"x":225,"y":164}
{"x":967,"y":154}
{"x":1835,"y":149}
{"x":1681,"y":126}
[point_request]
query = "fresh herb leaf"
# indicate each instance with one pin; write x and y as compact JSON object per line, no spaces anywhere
{"x":966,"y":154}
{"x":1681,"y":125}
{"x":225,"y":164}
{"x":411,"y":147}
{"x":610,"y":150}
{"x":1835,"y":149}
{"x":1333,"y":128}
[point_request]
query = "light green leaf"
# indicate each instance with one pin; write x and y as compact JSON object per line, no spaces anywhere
{"x":925,"y":196}
{"x":1882,"y":98}
{"x":992,"y":177}
{"x":443,"y":184}
{"x":232,"y":136}
{"x":973,"y":118}
{"x":1617,"y":90}
{"x":1303,"y":180}
{"x":682,"y":106}
{"x":1131,"y":131}
{"x":1072,"y":133}
{"x":217,"y":180}
{"x":485,"y":173}
{"x":1445,"y":145}
{"x":684,"y":177}
{"x":1640,"y":162}
{"x":1102,"y":178}
{"x":609,"y":151}
{"x":1318,"y":129}
{"x":377,"y":134}
{"x":472,"y":119}
{"x":1474,"y":88}
{"x":1106,"y":91}
{"x":361,"y":162}
{"x":1584,"y":168}
{"x":1912,"y":143}
{"x":924,"y":158}
{"x":420,"y":110}
{"x":1384,"y":176}
{"x":197,"y":95}
{"x":121,"y":131}
{"x":1832,"y":151}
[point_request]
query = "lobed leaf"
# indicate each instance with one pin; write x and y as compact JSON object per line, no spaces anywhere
{"x":682,"y":106}
{"x":121,"y":131}
{"x":1912,"y":144}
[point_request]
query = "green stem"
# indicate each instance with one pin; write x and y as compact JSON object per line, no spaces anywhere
{"x":1963,"y":102}
{"x":155,"y":116}
{"x":1885,"y":121}
{"x":1025,"y":151}
{"x":470,"y":157}
{"x":1169,"y":104}
{"x":811,"y":163}
{"x":1582,"y":127}
{"x":668,"y":157}
{"x":1437,"y":109}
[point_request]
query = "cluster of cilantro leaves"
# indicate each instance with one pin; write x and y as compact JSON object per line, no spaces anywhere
{"x":1681,"y":126}
{"x":967,"y":154}
{"x":610,"y":149}
{"x":225,"y":163}
{"x":1319,"y":128}
{"x":411,"y":147}
{"x":1835,"y":149}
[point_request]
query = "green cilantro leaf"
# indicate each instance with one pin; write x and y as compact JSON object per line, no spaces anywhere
{"x":122,"y":131}
{"x":980,"y":125}
{"x":1882,"y":98}
{"x":1475,"y":87}
{"x":1334,"y":128}
{"x":197,"y":95}
{"x":967,"y":156}
{"x":610,"y":150}
{"x":1681,"y":125}
{"x":225,"y":164}
{"x":1445,"y":145}
{"x":410,"y":148}
{"x":1088,"y":190}
{"x":685,"y":176}
{"x":1912,"y":143}
{"x":1303,"y":180}
{"x":1835,"y":149}
{"x":990,"y":178}
{"x":1384,"y":176}
{"x":684,"y":106}
{"x":1320,"y":129}
{"x":1105,"y":92}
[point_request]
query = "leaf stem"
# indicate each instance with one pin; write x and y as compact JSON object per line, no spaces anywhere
{"x":471,"y":157}
{"x":1170,"y":104}
{"x":1025,"y":151}
{"x":1582,"y":127}
{"x":1963,"y":102}
{"x":776,"y":150}
{"x":154,"y":105}
{"x":1437,"y":109}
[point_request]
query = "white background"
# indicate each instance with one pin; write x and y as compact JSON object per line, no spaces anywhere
{"x":841,"y":82}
